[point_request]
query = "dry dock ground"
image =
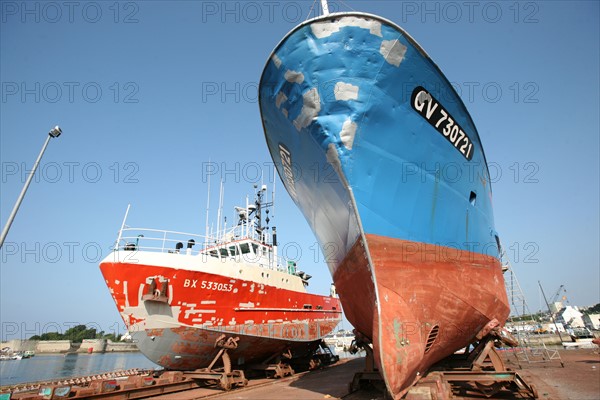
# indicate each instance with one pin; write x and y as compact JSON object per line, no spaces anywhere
{"x":578,"y":380}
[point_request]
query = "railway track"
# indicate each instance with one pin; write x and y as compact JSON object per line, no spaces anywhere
{"x":128,"y":384}
{"x":134,"y":384}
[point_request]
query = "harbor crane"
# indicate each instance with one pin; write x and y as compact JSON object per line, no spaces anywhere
{"x":556,"y":296}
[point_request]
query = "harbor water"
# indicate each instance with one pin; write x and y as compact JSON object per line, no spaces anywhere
{"x":55,"y":366}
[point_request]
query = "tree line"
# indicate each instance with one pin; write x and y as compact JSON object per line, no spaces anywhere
{"x":76,"y":334}
{"x":593,"y":310}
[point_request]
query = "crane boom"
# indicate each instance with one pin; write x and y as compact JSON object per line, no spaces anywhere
{"x":555,"y":297}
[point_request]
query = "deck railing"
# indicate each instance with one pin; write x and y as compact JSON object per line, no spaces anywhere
{"x":173,"y":242}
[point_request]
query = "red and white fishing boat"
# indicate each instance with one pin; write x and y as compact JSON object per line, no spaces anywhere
{"x":178,"y":293}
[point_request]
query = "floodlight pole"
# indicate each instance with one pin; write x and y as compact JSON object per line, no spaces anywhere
{"x":54,"y":133}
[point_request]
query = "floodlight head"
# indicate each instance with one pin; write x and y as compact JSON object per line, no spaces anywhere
{"x":55,"y":132}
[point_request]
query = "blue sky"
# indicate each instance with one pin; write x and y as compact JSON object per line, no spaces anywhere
{"x":152,"y":95}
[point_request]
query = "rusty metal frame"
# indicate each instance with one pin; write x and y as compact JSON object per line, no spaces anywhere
{"x":225,"y":377}
{"x":370,"y":374}
{"x":274,"y":367}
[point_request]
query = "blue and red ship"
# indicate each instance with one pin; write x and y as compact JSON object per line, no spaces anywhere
{"x":381,"y":155}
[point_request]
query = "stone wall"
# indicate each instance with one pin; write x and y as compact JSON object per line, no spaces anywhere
{"x":20,"y":345}
{"x":92,"y":346}
{"x":66,"y":346}
{"x":120,"y":346}
{"x":53,"y":346}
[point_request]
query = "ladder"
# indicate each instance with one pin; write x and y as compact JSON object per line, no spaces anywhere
{"x":531,"y":348}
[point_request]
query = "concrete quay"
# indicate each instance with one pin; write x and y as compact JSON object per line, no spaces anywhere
{"x":67,"y":346}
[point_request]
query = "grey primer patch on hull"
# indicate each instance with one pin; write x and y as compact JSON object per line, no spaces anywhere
{"x":334,"y":160}
{"x":327,"y":28}
{"x":310,"y":109}
{"x":345,"y":91}
{"x":281,"y":98}
{"x":393,"y":51}
{"x":293,"y":76}
{"x":347,"y":133}
{"x":276,"y":60}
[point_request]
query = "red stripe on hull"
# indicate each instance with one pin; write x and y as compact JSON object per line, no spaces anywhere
{"x":421,"y":289}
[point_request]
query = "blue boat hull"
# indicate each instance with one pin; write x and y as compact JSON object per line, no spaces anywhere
{"x":382,"y":157}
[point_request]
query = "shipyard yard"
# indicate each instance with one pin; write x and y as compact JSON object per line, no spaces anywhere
{"x":578,"y":380}
{"x":239,"y":182}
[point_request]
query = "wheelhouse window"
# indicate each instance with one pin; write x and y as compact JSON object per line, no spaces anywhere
{"x":245,"y":248}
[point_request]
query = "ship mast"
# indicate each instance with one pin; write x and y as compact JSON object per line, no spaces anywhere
{"x":325,"y":7}
{"x":258,"y":215}
{"x":206,"y":239}
{"x":220,"y":208}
